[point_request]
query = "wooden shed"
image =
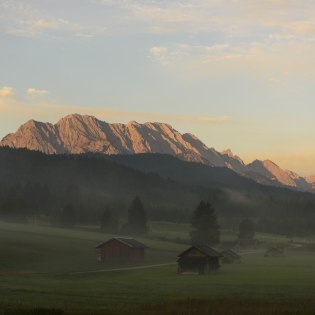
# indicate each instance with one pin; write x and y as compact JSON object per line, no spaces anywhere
{"x":274,"y":252}
{"x":198,"y":259}
{"x":121,"y":250}
{"x":229,"y":256}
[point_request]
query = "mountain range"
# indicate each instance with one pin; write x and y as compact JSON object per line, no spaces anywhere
{"x":77,"y":134}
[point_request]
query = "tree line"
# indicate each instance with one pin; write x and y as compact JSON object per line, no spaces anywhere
{"x":71,"y":206}
{"x":67,"y":190}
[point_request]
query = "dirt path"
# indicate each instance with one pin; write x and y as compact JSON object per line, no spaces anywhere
{"x":146,"y":266}
{"x":122,"y":269}
{"x":252,"y":252}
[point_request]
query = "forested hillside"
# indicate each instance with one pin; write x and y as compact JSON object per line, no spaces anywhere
{"x":35,"y":185}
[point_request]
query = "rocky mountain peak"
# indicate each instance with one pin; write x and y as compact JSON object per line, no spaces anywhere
{"x":30,"y":122}
{"x":83,"y":133}
{"x":269,"y":163}
{"x":310,"y":179}
{"x":228,"y":152}
{"x":77,"y":133}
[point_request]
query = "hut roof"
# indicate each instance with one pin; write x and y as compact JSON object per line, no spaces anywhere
{"x":130,"y":242}
{"x":205,"y":249}
{"x":230,"y":253}
{"x":275,"y":249}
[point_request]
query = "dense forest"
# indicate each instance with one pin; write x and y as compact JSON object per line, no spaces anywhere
{"x":58,"y":188}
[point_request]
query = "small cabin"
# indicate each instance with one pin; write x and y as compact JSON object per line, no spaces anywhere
{"x":229,"y":257}
{"x":121,"y":250}
{"x":274,"y":252}
{"x":198,"y":259}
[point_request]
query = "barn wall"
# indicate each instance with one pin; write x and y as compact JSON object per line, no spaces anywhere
{"x":115,"y":251}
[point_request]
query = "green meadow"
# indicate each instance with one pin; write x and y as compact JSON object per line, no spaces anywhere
{"x":47,"y":270}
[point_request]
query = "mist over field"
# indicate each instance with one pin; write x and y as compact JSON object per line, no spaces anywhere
{"x":55,"y":211}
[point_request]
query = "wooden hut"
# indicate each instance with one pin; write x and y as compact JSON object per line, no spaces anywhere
{"x":198,"y":259}
{"x":274,"y":252}
{"x":229,"y":256}
{"x":121,"y":250}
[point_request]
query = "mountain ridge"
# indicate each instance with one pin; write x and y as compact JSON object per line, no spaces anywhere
{"x":77,"y":134}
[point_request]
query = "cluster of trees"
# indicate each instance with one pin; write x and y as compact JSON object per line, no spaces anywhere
{"x":110,"y":220}
{"x":136,"y":220}
{"x":21,"y":202}
{"x":36,"y":186}
{"x":206,"y":230}
{"x":90,"y":183}
{"x":69,"y":207}
{"x":29,"y":201}
{"x":72,"y":205}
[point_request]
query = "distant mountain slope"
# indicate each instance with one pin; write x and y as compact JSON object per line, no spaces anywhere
{"x":33,"y":183}
{"x":272,"y":171}
{"x":98,"y":182}
{"x":190,"y":173}
{"x":233,"y":194}
{"x":76,"y":134}
{"x":233,"y":162}
{"x":311,"y":181}
{"x":274,"y":174}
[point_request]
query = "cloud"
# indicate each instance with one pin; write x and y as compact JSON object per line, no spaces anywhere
{"x":6,"y":91}
{"x":158,"y":50}
{"x":304,"y":27}
{"x":276,"y":58}
{"x":36,"y":27}
{"x":32,"y":91}
{"x":244,"y":20}
{"x":217,"y":47}
{"x":231,"y":18}
{"x":186,"y":53}
{"x":85,"y":35}
{"x":171,"y":13}
{"x":19,"y":18}
{"x":18,"y":109}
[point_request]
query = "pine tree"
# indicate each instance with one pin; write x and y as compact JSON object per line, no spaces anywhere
{"x":137,"y":218}
{"x":205,"y":225}
{"x":246,"y":229}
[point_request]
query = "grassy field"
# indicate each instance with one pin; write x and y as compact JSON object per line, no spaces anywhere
{"x":37,"y":265}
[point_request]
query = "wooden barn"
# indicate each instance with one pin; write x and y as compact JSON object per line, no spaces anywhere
{"x":121,"y":250}
{"x":274,"y":252}
{"x":198,"y":259}
{"x":229,"y":257}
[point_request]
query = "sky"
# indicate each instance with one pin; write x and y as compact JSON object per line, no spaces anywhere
{"x":238,"y":74}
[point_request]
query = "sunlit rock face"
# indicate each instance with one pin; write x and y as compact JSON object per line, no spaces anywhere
{"x":270,"y":170}
{"x":84,"y":134}
{"x":311,"y":181}
{"x":233,"y":161}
